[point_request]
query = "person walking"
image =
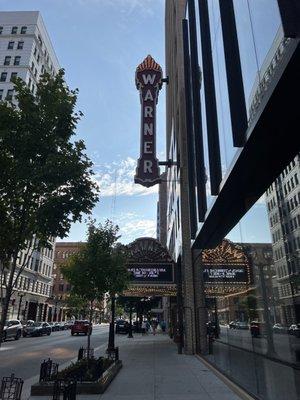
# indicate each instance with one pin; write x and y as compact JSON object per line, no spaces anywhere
{"x":154,"y":326}
{"x":163,"y":326}
{"x":144,"y":328}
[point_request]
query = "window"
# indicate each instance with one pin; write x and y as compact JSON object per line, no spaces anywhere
{"x":7,"y":60}
{"x":23,"y":30}
{"x":20,"y":45}
{"x":3,"y":76}
{"x":13,"y":75}
{"x":17,"y":60}
{"x":34,"y":52}
{"x":1,"y":30}
{"x":29,"y":83}
{"x":35,"y":73}
{"x":1,"y":94}
{"x":32,"y":66}
{"x":10,"y":45}
{"x":14,"y":30}
{"x":38,"y":58}
{"x":9,"y":94}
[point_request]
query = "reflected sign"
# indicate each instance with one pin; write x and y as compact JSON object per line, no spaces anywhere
{"x":225,"y":274}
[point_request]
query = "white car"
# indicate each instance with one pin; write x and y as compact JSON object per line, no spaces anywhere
{"x":12,"y":329}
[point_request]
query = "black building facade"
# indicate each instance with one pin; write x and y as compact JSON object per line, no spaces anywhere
{"x":230,"y":132}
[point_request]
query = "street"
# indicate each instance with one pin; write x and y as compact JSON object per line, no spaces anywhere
{"x":285,"y":346}
{"x":23,"y":357}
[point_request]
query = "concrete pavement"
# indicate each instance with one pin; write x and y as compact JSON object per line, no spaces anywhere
{"x":153,"y":370}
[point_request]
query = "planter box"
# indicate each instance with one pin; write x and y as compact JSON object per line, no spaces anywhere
{"x":97,"y":387}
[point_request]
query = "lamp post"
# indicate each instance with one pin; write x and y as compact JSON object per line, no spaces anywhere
{"x":111,"y":337}
{"x":21,"y":295}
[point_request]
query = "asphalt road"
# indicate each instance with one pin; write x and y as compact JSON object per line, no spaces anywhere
{"x":23,"y":357}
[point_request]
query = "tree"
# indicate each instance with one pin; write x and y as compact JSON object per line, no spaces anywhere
{"x":130,"y":304}
{"x":77,"y":306}
{"x":99,"y":266}
{"x":46,"y":178}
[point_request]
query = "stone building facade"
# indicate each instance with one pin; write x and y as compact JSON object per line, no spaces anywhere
{"x":26,"y":52}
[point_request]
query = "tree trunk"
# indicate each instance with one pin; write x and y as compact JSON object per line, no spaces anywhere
{"x":8,"y":293}
{"x":111,"y":338}
{"x":89,"y":333}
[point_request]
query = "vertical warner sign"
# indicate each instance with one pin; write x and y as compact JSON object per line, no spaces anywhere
{"x":148,"y":79}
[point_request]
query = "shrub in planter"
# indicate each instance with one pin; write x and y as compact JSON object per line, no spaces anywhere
{"x":84,"y":370}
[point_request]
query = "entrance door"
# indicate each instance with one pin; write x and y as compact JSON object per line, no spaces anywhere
{"x":32,"y":310}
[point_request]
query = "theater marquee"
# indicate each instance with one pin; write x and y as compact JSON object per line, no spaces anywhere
{"x":151,"y":268}
{"x":226,"y":269}
{"x":155,"y":273}
{"x":148,"y":80}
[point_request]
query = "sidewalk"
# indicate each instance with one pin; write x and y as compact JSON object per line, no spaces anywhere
{"x":153,"y":370}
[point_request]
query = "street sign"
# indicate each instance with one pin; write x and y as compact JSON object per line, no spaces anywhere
{"x":148,"y":78}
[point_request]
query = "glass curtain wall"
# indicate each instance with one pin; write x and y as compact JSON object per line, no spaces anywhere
{"x":253,"y":292}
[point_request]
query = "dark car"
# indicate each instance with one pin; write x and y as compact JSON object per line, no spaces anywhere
{"x":12,"y":329}
{"x":37,"y":329}
{"x":294,"y":330}
{"x":256,"y":328}
{"x":242,"y":325}
{"x":122,"y":326}
{"x":213,"y":329}
{"x":81,"y":326}
{"x":62,"y":326}
{"x":278,"y":328}
{"x":232,"y":324}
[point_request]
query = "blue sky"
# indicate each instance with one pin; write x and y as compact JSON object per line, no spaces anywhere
{"x":100,"y":43}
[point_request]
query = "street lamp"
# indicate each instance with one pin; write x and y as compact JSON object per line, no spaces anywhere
{"x":21,"y":295}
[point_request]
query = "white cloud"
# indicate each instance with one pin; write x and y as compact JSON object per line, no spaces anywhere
{"x":124,"y":6}
{"x":133,"y":226}
{"x":116,"y":179}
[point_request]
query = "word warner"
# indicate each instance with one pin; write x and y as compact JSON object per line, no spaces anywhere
{"x":148,"y":80}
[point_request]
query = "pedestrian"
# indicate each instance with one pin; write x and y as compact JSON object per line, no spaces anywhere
{"x":144,"y":328}
{"x":163,"y":326}
{"x":147,"y":326}
{"x":154,"y":326}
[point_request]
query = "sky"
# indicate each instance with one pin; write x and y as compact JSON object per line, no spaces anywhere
{"x":99,"y":43}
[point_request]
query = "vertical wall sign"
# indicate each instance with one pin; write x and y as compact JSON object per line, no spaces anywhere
{"x":148,"y":78}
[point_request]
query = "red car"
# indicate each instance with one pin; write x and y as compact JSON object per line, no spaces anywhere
{"x":82,"y":326}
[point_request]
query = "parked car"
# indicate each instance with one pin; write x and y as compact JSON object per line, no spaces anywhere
{"x":52,"y":326}
{"x":55,"y":326}
{"x":278,"y":328}
{"x":256,"y":328}
{"x":62,"y":326}
{"x":12,"y":329}
{"x":294,"y":329}
{"x":69,"y":324}
{"x":232,"y":324}
{"x":37,"y":329}
{"x":213,"y":329}
{"x":238,"y":325}
{"x":122,"y":326}
{"x":81,"y":326}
